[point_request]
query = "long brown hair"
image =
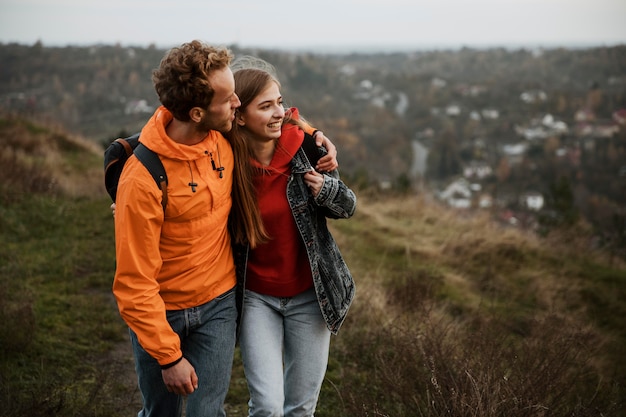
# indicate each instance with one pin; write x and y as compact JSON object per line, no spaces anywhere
{"x":245,"y":220}
{"x":246,"y":223}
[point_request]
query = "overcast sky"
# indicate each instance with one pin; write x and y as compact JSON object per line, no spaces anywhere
{"x":333,"y":24}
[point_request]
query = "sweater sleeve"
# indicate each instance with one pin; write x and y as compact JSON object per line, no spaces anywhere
{"x":138,"y":220}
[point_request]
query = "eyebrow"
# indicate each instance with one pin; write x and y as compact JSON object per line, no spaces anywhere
{"x":271,"y":100}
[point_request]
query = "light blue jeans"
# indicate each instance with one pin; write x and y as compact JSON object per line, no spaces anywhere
{"x":284,"y":346}
{"x":207,"y":335}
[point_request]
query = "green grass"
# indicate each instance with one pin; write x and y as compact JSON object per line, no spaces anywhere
{"x":58,"y":317}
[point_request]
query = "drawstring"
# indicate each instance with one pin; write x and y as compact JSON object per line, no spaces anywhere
{"x":219,"y":169}
{"x":219,"y":159}
{"x":192,"y":184}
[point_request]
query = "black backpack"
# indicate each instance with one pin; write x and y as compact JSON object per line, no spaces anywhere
{"x":118,"y":152}
{"x":116,"y":155}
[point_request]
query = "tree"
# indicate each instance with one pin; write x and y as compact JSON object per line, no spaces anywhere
{"x":560,"y":210}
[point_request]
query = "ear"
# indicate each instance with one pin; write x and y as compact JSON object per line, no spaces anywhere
{"x":239,"y":119}
{"x":195,"y":114}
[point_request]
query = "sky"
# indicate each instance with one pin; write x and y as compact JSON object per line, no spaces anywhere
{"x":333,"y":25}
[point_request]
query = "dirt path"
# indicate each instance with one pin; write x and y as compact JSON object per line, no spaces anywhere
{"x":122,"y":368}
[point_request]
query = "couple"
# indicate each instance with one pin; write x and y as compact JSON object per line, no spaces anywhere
{"x":178,"y":276}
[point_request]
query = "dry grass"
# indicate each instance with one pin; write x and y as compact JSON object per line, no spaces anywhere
{"x":457,"y":315}
{"x":45,"y":160}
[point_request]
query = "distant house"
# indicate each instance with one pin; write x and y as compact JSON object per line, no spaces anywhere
{"x":532,"y":132}
{"x":375,"y":94}
{"x":384,"y":184}
{"x":542,"y":128}
{"x":508,"y":217}
{"x":514,"y":152}
{"x":533,"y":96}
{"x":453,"y":110}
{"x":598,"y":130}
{"x":471,"y":90}
{"x":620,"y":117}
{"x":438,"y":82}
{"x":571,"y":154}
{"x":605,"y":130}
{"x":137,"y":107}
{"x":490,"y":114}
{"x":348,"y":70}
{"x":477,"y":169}
{"x":457,"y":194}
{"x":484,"y":201}
{"x":555,"y":126}
{"x":584,"y":116}
{"x":532,"y":200}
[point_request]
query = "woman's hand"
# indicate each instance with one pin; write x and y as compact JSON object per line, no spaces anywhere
{"x":315,"y":181}
{"x":329,"y":161}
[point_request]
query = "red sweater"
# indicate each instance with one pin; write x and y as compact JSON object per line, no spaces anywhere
{"x":280,"y":267}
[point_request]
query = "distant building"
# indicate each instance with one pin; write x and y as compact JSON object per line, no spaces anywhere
{"x":477,"y":169}
{"x":457,"y":194}
{"x":514,"y":152}
{"x":620,"y":117}
{"x":438,"y":82}
{"x":453,"y":110}
{"x":137,"y":107}
{"x":485,"y":201}
{"x":533,"y":96}
{"x":532,"y":201}
{"x":490,"y":114}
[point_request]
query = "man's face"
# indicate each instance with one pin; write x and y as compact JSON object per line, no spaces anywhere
{"x":221,"y":112}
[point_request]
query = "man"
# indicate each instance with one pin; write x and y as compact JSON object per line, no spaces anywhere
{"x":175,"y":276}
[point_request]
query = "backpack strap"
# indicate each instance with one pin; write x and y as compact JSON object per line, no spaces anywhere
{"x":154,"y":165}
{"x":124,"y":142}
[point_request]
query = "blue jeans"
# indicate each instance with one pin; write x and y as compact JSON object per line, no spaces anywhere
{"x":284,"y":345}
{"x":207,"y":335}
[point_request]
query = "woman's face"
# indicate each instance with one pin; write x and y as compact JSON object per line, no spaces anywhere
{"x":263,"y":117}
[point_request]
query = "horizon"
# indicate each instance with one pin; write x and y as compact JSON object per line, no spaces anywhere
{"x":348,"y":48}
{"x":326,"y":25}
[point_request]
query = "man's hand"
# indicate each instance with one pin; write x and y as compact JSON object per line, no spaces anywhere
{"x":181,"y":378}
{"x":329,"y":161}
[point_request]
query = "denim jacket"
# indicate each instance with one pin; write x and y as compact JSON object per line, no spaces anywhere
{"x":332,"y":279}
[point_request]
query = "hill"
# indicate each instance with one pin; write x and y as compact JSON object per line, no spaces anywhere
{"x":536,"y":136}
{"x":455,"y":314}
{"x":43,"y":159}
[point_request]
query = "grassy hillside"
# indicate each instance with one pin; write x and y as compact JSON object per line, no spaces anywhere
{"x":454,"y":315}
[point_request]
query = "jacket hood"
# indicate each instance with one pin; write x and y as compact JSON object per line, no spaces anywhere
{"x":154,"y":136}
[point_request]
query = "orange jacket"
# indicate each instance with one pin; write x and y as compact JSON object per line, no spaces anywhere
{"x":181,"y":259}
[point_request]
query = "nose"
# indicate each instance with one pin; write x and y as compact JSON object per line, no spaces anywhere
{"x":236,"y":101}
{"x":279,"y":112}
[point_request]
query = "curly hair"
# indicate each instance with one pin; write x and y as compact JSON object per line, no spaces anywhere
{"x":182,"y":80}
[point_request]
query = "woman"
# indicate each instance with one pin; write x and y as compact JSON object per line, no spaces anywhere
{"x":297,"y":287}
